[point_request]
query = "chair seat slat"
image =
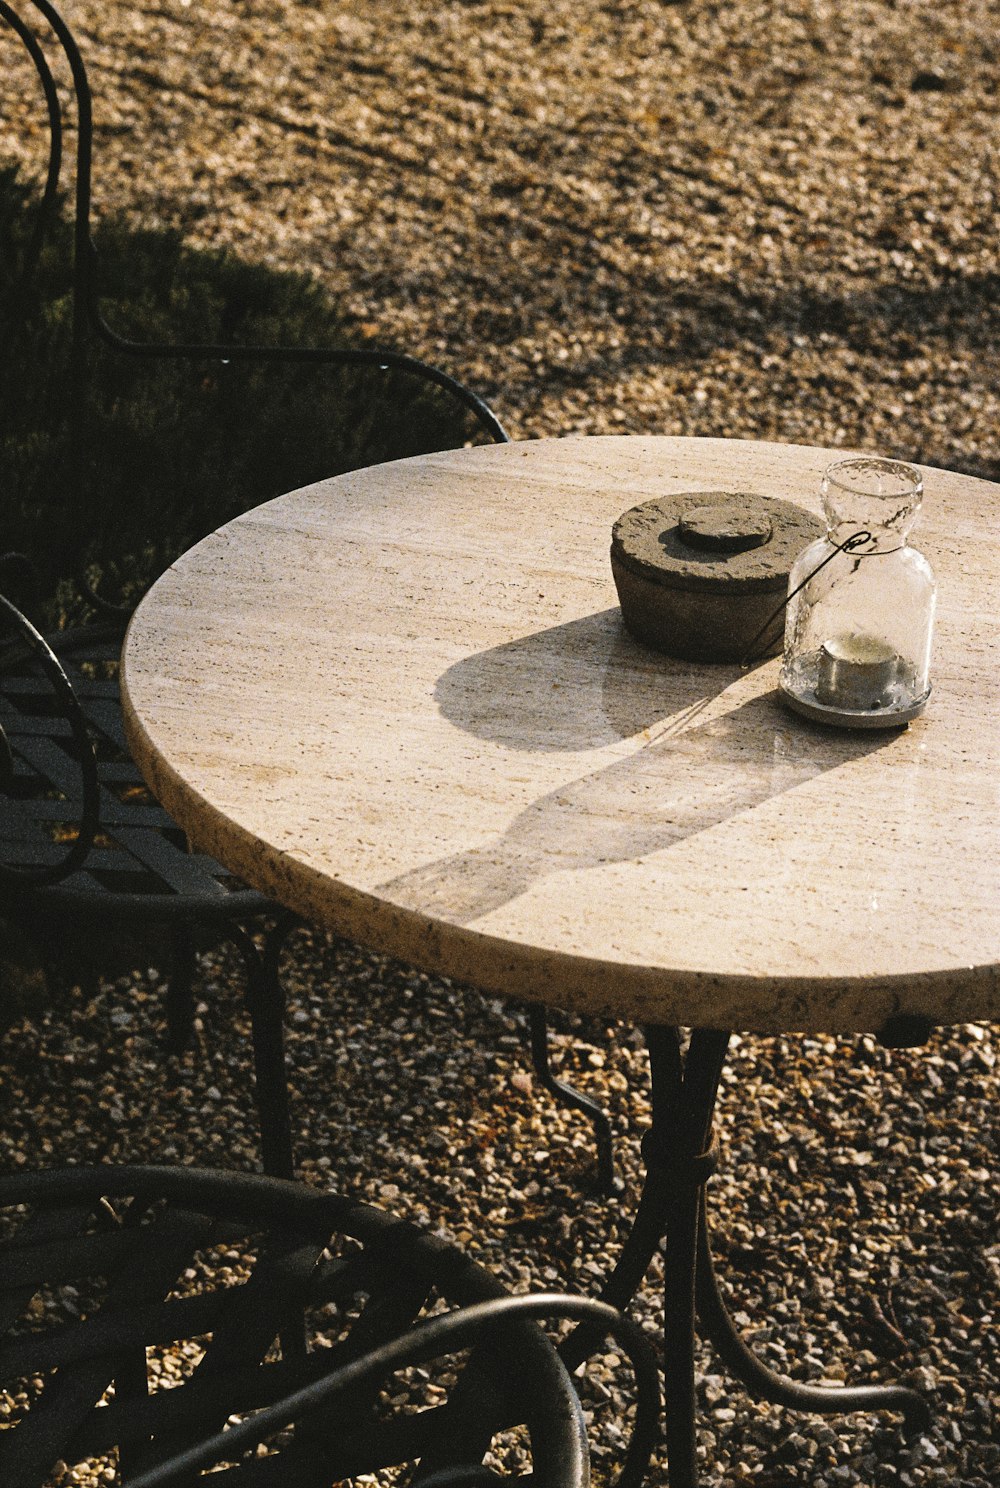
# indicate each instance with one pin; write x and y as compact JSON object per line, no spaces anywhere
{"x":105,"y":715}
{"x":186,"y":873}
{"x":18,"y":724}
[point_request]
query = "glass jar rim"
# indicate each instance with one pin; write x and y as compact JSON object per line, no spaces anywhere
{"x":909,"y":481}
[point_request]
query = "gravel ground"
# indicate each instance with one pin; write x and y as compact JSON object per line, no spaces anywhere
{"x":855,"y":1206}
{"x":761,"y":220}
{"x":765,"y":219}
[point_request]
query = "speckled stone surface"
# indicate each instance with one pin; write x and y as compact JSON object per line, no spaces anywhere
{"x":404,"y":702}
{"x":719,"y":541}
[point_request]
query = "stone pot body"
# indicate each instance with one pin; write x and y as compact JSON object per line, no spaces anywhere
{"x":702,"y":576}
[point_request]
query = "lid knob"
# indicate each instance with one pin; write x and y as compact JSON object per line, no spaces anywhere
{"x":726,"y":527}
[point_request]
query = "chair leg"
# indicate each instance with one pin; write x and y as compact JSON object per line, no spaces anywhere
{"x":180,"y":996}
{"x":572,"y":1099}
{"x":23,"y":983}
{"x":266,"y":1004}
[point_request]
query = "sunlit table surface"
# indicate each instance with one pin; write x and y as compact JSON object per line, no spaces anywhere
{"x":403,"y":703}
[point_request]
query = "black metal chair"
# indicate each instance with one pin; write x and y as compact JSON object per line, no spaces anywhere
{"x":138,"y":870}
{"x":87,"y":851}
{"x":142,"y":1309}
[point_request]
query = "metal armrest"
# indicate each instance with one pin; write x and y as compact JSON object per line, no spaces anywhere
{"x":31,"y":643}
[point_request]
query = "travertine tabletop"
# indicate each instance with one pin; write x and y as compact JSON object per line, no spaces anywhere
{"x":403,"y":703}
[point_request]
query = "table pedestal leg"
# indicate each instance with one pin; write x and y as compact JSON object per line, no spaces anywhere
{"x":677,"y":1165}
{"x":679,"y":1158}
{"x":567,"y":1095}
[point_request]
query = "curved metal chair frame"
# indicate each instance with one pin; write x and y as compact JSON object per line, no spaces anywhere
{"x":85,"y":846}
{"x":251,"y":1296}
{"x":140,"y":869}
{"x":62,"y":861}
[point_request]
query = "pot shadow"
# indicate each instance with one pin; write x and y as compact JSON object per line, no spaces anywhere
{"x":576,"y":686}
{"x":687,"y":777}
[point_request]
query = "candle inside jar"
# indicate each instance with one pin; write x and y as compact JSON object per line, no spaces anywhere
{"x":856,"y":671}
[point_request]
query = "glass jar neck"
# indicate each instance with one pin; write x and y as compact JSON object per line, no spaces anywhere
{"x":866,"y":537}
{"x":872,"y":494}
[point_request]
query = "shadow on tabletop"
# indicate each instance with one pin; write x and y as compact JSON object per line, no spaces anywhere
{"x":685,"y":775}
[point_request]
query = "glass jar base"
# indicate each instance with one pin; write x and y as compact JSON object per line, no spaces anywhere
{"x":895,"y":715}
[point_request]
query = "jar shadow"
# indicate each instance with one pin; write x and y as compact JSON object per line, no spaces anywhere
{"x":688,"y":774}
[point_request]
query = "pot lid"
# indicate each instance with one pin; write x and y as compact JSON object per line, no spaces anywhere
{"x":727,"y":541}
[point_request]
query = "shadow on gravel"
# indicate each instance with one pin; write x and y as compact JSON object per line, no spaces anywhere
{"x":885,"y":327}
{"x":174,"y":448}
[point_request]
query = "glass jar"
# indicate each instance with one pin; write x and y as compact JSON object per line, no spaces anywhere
{"x":861,"y":603}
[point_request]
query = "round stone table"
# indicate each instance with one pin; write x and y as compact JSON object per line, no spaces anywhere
{"x":403,"y":703}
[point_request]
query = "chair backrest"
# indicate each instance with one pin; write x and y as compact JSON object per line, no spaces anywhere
{"x":86,"y":285}
{"x":201,"y":1297}
{"x":49,"y":790}
{"x":560,"y":1458}
{"x":47,"y":203}
{"x":44,"y":35}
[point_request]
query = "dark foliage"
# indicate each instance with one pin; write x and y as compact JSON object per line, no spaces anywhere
{"x":174,"y":447}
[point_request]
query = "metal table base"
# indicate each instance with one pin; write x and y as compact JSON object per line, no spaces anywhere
{"x":679,"y":1158}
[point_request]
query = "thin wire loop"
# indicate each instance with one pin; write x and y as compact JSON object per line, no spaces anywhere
{"x":850,"y":545}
